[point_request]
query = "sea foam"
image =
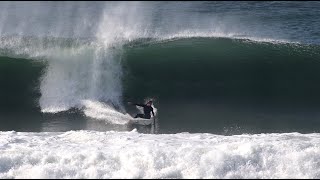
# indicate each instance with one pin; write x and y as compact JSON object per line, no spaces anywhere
{"x":91,"y":154}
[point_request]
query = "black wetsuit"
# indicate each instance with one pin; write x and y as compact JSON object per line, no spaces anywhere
{"x":147,"y":111}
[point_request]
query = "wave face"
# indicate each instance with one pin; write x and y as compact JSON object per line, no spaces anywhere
{"x":95,"y":56}
{"x":19,"y":82}
{"x":90,"y":154}
{"x":231,"y":86}
{"x":214,"y":68}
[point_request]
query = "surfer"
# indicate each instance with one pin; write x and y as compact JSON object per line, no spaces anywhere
{"x":147,"y":109}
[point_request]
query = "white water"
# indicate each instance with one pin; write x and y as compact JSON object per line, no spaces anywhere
{"x":105,"y":112}
{"x":90,"y":154}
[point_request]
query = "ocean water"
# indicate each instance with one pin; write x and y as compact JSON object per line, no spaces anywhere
{"x":235,"y":87}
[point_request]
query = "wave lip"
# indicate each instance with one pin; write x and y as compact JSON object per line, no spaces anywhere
{"x":199,"y":34}
{"x":90,"y":154}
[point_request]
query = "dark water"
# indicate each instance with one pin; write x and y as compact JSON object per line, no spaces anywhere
{"x":217,"y":67}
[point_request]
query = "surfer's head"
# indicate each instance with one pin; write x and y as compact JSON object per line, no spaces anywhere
{"x":149,"y":103}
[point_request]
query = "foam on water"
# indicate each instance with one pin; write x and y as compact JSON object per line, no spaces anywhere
{"x":90,"y":154}
{"x":101,"y":111}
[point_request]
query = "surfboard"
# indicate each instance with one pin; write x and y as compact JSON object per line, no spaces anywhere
{"x":141,"y":121}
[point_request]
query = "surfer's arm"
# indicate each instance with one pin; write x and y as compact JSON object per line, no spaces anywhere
{"x":152,"y":113}
{"x":142,"y":105}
